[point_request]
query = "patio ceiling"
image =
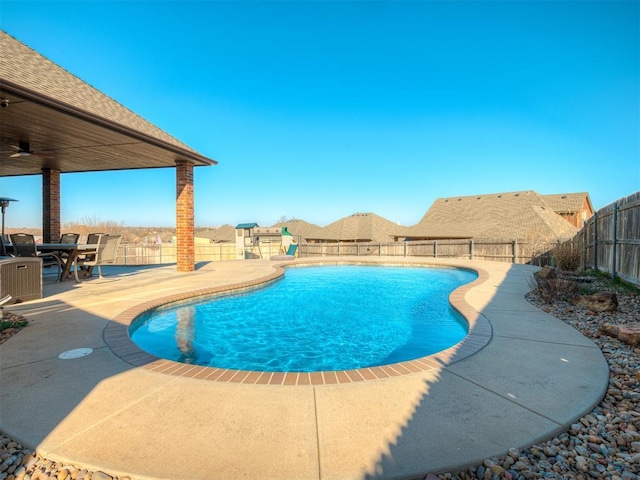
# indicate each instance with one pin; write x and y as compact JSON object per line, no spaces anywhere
{"x":75,"y":142}
{"x":69,"y":126}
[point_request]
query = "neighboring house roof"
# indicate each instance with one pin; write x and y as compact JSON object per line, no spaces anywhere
{"x":300,"y":228}
{"x":364,"y":227}
{"x":224,"y":233}
{"x":513,"y":215}
{"x":77,"y":126}
{"x":246,"y":225}
{"x":568,"y":202}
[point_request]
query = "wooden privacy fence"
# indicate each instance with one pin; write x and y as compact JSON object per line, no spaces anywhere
{"x":513,"y":251}
{"x":159,"y":253}
{"x":152,"y":254}
{"x":610,"y":240}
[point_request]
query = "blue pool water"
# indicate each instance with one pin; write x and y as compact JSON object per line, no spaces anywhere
{"x":315,"y":318}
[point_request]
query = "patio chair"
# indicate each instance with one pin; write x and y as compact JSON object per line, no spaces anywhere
{"x":24,"y":245}
{"x":106,"y":253}
{"x":67,"y":238}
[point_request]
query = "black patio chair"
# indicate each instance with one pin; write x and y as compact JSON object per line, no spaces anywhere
{"x":24,"y":245}
{"x":67,"y":238}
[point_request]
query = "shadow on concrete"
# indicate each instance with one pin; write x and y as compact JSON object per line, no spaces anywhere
{"x":39,"y":388}
{"x":511,"y":393}
{"x":534,"y":378}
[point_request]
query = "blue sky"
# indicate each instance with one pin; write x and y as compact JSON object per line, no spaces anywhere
{"x":320,"y":109}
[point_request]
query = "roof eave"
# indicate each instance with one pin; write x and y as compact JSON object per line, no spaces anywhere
{"x":49,"y":102}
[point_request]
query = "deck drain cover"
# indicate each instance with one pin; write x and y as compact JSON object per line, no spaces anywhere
{"x":75,"y":353}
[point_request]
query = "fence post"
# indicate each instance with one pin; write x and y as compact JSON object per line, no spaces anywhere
{"x":435,"y":249}
{"x":584,"y":246}
{"x":379,"y":249}
{"x":515,"y":251}
{"x":405,"y":249}
{"x":471,"y":249}
{"x":615,"y":240}
{"x":595,"y":241}
{"x":357,"y":249}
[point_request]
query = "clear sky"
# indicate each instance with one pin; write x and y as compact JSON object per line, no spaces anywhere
{"x":320,"y":109}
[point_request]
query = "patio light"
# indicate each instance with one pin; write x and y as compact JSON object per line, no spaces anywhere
{"x":4,"y":203}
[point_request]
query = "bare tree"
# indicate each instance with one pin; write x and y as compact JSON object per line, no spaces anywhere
{"x":540,"y":246}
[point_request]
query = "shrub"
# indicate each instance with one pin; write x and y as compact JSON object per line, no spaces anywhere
{"x":568,"y":258}
{"x":553,"y":289}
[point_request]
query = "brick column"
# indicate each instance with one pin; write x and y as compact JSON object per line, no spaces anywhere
{"x":184,"y":216}
{"x":50,"y":205}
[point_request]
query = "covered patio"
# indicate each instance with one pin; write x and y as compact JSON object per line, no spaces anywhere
{"x":51,"y":123}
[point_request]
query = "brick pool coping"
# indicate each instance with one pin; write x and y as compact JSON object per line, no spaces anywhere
{"x":116,"y":336}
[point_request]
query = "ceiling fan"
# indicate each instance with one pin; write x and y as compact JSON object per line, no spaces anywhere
{"x":23,"y":150}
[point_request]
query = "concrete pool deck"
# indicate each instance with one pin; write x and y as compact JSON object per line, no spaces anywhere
{"x":524,"y":379}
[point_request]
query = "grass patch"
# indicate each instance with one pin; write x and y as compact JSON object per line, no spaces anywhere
{"x":615,"y":284}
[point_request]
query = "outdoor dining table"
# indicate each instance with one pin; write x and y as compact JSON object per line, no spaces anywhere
{"x":73,"y":250}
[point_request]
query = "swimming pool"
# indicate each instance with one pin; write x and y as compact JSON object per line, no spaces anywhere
{"x":314,"y":319}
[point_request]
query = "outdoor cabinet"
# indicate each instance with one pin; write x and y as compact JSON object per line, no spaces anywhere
{"x":21,"y":278}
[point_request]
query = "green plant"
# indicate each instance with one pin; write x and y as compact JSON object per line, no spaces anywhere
{"x":617,"y":283}
{"x":4,"y":324}
{"x":568,"y":257}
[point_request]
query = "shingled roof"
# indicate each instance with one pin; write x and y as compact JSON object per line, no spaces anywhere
{"x":512,"y":215}
{"x":360,"y":227}
{"x":223,"y":234}
{"x":568,"y":202}
{"x":300,"y":228}
{"x":71,"y":126}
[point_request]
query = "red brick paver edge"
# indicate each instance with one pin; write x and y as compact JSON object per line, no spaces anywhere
{"x":116,"y":336}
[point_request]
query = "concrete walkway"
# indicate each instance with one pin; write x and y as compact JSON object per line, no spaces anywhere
{"x":533,"y":378}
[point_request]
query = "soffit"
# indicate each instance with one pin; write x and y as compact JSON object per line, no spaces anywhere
{"x":71,"y":126}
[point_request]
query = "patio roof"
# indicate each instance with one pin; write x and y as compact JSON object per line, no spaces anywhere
{"x":64,"y":124}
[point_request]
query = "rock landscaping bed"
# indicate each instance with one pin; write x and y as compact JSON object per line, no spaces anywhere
{"x":604,"y":444}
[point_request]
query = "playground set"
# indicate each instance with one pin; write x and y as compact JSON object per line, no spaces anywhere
{"x":253,"y":241}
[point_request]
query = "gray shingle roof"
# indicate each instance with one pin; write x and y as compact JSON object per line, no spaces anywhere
{"x":568,"y":202}
{"x":224,"y":233}
{"x":364,"y":227}
{"x":23,"y":66}
{"x":500,"y":215}
{"x":67,"y":125}
{"x":300,"y":228}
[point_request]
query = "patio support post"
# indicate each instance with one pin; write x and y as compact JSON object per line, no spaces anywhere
{"x":50,"y":205}
{"x":184,"y":216}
